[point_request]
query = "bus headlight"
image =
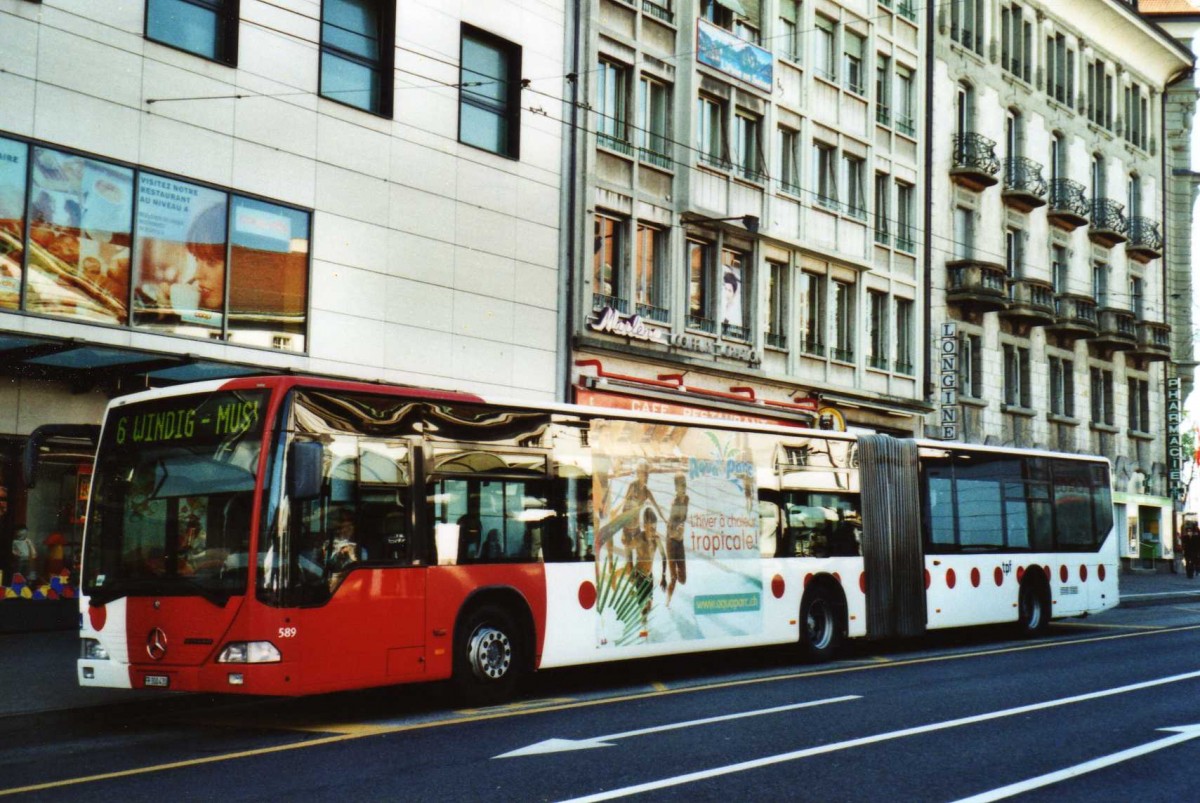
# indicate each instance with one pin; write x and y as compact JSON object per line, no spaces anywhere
{"x":91,"y":648}
{"x":249,"y":652}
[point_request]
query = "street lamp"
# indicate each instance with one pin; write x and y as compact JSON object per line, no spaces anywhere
{"x":749,"y":221}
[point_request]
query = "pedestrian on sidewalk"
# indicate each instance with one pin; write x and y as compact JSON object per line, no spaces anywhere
{"x":1191,"y":548}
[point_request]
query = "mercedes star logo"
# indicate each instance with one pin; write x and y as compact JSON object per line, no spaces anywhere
{"x":156,"y":644}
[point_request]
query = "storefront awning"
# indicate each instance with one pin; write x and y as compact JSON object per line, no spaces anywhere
{"x":86,"y":365}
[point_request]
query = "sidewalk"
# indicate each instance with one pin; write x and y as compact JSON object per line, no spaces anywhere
{"x":1157,"y":588}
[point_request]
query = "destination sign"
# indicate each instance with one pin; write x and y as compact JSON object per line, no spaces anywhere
{"x":188,"y":419}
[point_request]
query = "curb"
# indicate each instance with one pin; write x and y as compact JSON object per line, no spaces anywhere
{"x":1163,"y":598}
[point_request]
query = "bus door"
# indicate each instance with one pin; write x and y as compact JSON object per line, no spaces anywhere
{"x":891,"y":541}
{"x":362,"y":616}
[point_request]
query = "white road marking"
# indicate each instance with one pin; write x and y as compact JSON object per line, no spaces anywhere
{"x":781,"y":758}
{"x":561,"y":745}
{"x":1182,"y":734}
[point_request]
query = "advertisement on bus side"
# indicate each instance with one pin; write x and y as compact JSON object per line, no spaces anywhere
{"x":677,"y":555}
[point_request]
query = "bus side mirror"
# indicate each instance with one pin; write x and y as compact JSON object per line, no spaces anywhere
{"x":305,"y":464}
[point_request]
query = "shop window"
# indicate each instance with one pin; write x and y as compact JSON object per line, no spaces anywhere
{"x":268,"y":273}
{"x":206,"y":28}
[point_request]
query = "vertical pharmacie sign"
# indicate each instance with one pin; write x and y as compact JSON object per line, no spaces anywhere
{"x":1174,"y":442}
{"x":948,"y":412}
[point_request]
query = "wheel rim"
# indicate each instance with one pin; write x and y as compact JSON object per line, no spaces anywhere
{"x":1032,"y":609}
{"x":818,"y":624}
{"x":490,"y":653}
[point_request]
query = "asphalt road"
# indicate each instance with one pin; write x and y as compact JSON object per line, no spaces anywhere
{"x":1079,"y":715}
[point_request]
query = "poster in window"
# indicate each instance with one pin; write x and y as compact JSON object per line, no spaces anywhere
{"x":13,"y":167}
{"x":80,"y":222}
{"x":180,"y":277}
{"x":676,"y":540}
{"x":268,"y":274}
{"x":732,"y":288}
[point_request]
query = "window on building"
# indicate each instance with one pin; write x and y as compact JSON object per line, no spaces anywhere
{"x":1099,"y":177}
{"x":814,"y":314}
{"x":1102,"y":397}
{"x":844,"y":319}
{"x":268,"y":274}
{"x":612,"y":106}
{"x":823,"y":53}
{"x":1014,"y":253}
{"x":608,"y":260}
{"x":207,"y":28}
{"x":905,"y":337}
{"x":777,"y":294}
{"x":855,"y":182}
{"x":853,"y":47}
{"x":905,"y":101}
{"x":878,"y":322}
{"x":825,"y":174}
{"x":970,"y":366}
{"x":1100,"y":94}
{"x":654,"y":119}
{"x":1060,"y":70}
{"x":1062,"y":386}
{"x":1133,"y":205}
{"x":735,"y":294}
{"x":789,"y":160}
{"x":746,"y":149}
{"x":1139,"y":405}
{"x":1058,"y":157}
{"x":1137,"y":301}
{"x":357,"y":53}
{"x":904,"y":218}
{"x":1016,"y":41}
{"x":710,"y":131}
{"x":700,"y":296}
{"x":1060,"y":269}
{"x":717,"y":13}
{"x":964,"y":233}
{"x":1136,"y":109}
{"x":1100,"y":284}
{"x":966,"y":24}
{"x":883,"y":89}
{"x":489,"y":111}
{"x":1016,"y":376}
{"x":648,"y":277}
{"x":883,"y":186}
{"x":787,"y":42}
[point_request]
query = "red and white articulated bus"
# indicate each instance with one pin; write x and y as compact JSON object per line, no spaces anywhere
{"x":290,"y":536}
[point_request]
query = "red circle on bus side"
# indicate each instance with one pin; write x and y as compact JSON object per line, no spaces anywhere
{"x":1020,"y":573}
{"x":975,"y":578}
{"x":777,"y":586}
{"x":1046,"y":569}
{"x":97,"y":615}
{"x":862,"y":582}
{"x":1100,"y":572}
{"x":998,"y":575}
{"x":950,"y":578}
{"x":1083,"y":572}
{"x":807,"y":579}
{"x":587,"y":595}
{"x":928,"y":580}
{"x":1063,"y":574}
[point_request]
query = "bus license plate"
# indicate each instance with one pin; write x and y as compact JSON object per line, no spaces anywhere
{"x":159,"y":681}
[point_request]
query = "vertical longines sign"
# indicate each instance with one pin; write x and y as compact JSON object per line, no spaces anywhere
{"x":1174,"y":443}
{"x":948,"y":382}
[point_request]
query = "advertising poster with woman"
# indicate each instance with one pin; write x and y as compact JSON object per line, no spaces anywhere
{"x":677,"y":554}
{"x":181,"y":234}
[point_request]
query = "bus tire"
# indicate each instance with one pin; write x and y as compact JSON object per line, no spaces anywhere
{"x":820,"y":623}
{"x":1033,"y":608}
{"x":489,"y":656}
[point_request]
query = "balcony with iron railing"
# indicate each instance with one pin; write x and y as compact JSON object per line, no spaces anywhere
{"x":1030,"y":301}
{"x":975,"y":162}
{"x":735,"y":332}
{"x":976,"y":286}
{"x":1024,"y":186}
{"x":653,"y":313}
{"x":1153,"y":341}
{"x":812,"y":347}
{"x":905,"y":367}
{"x":1117,"y":329}
{"x":775,"y":340}
{"x":1069,"y":207}
{"x":600,"y":301}
{"x":842,"y":355}
{"x":1145,"y":240}
{"x":618,"y":144}
{"x":1109,"y":226}
{"x":1074,"y":316}
{"x":658,"y":12}
{"x":702,"y":324}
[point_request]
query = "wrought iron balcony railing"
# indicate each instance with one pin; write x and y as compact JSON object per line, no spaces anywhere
{"x":653,"y":313}
{"x":734,"y":332}
{"x":657,"y":11}
{"x":1144,"y":238}
{"x":600,"y":301}
{"x":976,"y":152}
{"x":775,"y":340}
{"x":702,"y":324}
{"x":1069,"y":206}
{"x":1023,"y":179}
{"x":1109,"y":225}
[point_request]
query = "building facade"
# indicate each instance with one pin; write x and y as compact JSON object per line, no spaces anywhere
{"x":747,"y":210}
{"x":1049,"y":287}
{"x":192,"y":190}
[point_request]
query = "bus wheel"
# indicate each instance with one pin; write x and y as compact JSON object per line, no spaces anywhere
{"x":488,"y":658}
{"x":1033,"y":605}
{"x":820,"y":628}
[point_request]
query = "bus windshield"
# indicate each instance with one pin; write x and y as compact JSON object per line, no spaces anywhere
{"x":172,"y":495}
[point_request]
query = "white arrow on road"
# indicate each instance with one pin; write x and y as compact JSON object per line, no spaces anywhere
{"x":1182,"y":734}
{"x":562,"y":745}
